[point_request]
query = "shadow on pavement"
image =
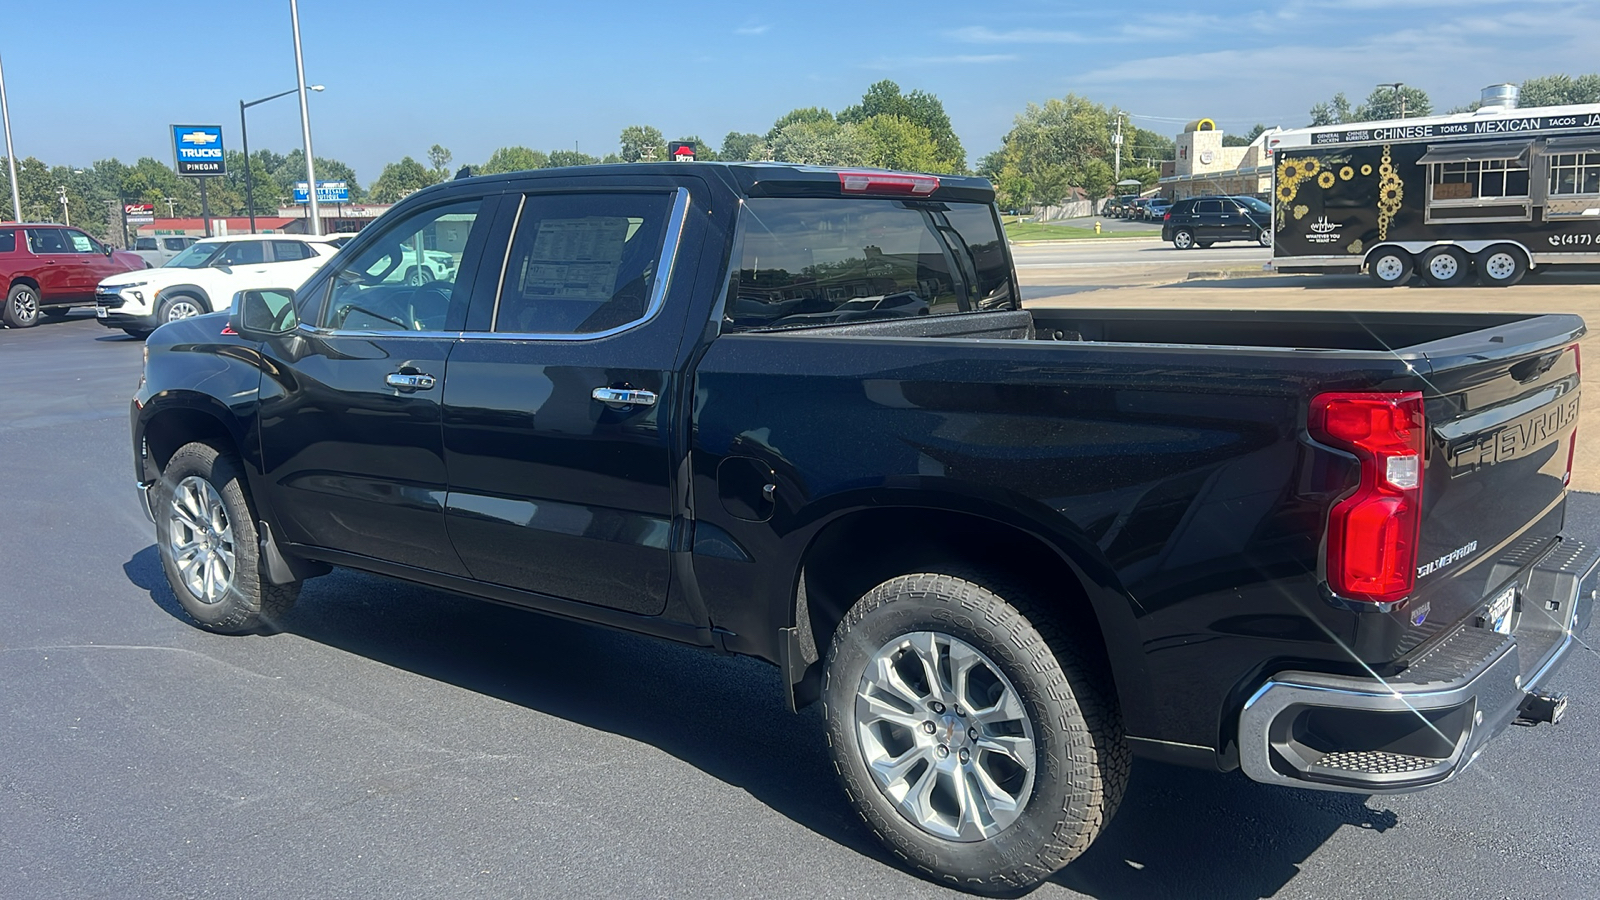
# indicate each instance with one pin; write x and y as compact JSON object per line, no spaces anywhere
{"x":1179,"y":832}
{"x":1190,"y":833}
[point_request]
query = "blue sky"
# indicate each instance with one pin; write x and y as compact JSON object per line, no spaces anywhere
{"x":402,"y":75}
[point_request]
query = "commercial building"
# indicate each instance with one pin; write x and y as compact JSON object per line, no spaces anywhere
{"x":1204,"y":167}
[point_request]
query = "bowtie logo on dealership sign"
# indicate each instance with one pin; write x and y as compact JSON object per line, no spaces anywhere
{"x":197,"y":150}
{"x":681,"y":151}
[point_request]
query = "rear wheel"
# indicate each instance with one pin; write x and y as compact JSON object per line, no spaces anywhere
{"x":1501,"y":265}
{"x":1183,"y":239}
{"x":975,"y":740}
{"x":207,"y":538}
{"x":22,"y":307}
{"x":1390,"y":267}
{"x":1445,"y":266}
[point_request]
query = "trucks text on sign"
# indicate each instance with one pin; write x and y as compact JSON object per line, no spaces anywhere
{"x":197,"y":150}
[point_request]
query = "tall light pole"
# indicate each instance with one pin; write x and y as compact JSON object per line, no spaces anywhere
{"x":244,"y":136}
{"x":11,"y":157}
{"x":305,"y":120}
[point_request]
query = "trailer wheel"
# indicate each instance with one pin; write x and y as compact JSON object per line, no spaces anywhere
{"x":1445,"y":266}
{"x":1390,"y":267}
{"x":1501,"y":265}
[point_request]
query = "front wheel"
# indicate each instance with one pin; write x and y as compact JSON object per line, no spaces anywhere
{"x":1264,"y":237}
{"x":206,"y":535}
{"x":179,"y":306}
{"x":1183,"y":239}
{"x":22,"y":307}
{"x":974,"y":741}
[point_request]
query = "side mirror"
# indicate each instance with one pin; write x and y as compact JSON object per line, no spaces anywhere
{"x":264,"y":313}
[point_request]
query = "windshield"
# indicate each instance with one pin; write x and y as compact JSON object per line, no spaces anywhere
{"x":195,"y":256}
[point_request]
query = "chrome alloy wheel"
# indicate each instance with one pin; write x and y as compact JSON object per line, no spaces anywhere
{"x":1390,"y":267}
{"x":200,"y":539}
{"x":25,"y":305}
{"x":1500,"y":265}
{"x":1444,"y":266}
{"x":182,"y":308}
{"x":945,"y":736}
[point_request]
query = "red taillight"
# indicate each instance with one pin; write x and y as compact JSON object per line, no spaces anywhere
{"x":1166,"y":217}
{"x":1372,"y":534}
{"x":888,"y":183}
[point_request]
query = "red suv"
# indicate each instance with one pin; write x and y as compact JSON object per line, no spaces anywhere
{"x":48,"y":269}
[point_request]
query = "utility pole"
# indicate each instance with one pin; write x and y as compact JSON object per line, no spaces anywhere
{"x":1399,"y":95}
{"x":65,"y":212}
{"x":1116,"y":141}
{"x":172,"y":206}
{"x":11,"y":156}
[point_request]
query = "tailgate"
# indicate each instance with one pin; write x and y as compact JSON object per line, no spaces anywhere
{"x":1502,"y":414}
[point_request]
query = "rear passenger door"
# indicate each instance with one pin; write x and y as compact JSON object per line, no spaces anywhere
{"x":52,"y":264}
{"x":559,"y":399}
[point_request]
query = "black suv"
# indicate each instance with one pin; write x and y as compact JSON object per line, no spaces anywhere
{"x":1203,"y":221}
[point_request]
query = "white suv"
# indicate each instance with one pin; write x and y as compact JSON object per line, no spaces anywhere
{"x":204,"y":278}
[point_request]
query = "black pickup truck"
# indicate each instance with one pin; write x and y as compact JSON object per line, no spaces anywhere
{"x":801,"y":414}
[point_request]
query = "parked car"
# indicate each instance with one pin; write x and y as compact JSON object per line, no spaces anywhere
{"x":205,"y":276}
{"x":157,"y":251}
{"x":1117,"y":207}
{"x":1156,"y":208}
{"x":1203,"y":221}
{"x":1135,"y":209}
{"x":48,"y":269}
{"x":801,"y":415}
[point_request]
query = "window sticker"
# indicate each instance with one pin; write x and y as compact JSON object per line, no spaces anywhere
{"x":576,"y":259}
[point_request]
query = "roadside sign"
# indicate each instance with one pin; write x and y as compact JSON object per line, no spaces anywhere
{"x":682,"y":151}
{"x":327,"y":192}
{"x":139,"y":213}
{"x":197,"y":150}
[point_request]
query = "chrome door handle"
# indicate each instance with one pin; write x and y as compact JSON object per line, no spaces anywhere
{"x":409,"y":381}
{"x":623,"y":396}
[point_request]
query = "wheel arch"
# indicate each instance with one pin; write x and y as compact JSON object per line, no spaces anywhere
{"x":193,"y":290}
{"x":27,"y":280}
{"x":877,"y":535}
{"x":182,"y":417}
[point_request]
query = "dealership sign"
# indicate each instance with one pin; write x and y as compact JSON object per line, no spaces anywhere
{"x":139,"y":213}
{"x":327,"y":192}
{"x":198,"y":149}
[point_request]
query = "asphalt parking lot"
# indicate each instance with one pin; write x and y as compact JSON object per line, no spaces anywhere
{"x":395,"y":741}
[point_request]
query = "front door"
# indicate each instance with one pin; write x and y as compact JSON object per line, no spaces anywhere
{"x":559,"y":399}
{"x":351,"y":438}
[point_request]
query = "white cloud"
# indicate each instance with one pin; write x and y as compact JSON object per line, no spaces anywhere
{"x":901,"y":62}
{"x":752,"y":29}
{"x":979,"y":34}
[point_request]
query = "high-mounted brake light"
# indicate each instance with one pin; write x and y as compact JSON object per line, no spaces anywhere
{"x":1373,"y":533}
{"x":887,"y":183}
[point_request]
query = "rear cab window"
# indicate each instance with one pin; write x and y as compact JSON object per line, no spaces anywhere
{"x":824,"y":261}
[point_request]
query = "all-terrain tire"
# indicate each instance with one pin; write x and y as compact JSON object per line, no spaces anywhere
{"x":1082,"y":759}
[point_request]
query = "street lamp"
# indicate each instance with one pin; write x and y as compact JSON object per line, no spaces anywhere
{"x":305,"y":121}
{"x":11,"y":156}
{"x":244,"y":135}
{"x":1397,"y":85}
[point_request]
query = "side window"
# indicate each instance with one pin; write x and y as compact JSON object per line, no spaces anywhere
{"x":405,"y":279}
{"x":8,"y":240}
{"x":173,"y":244}
{"x":45,"y":240}
{"x":582,"y":263}
{"x":289,"y":251}
{"x":1208,"y":207}
{"x":150,"y":244}
{"x":242,"y":253}
{"x":77,"y":242}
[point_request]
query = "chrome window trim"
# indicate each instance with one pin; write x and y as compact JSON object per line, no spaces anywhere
{"x":658,"y":291}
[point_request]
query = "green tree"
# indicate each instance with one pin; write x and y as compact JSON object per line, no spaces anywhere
{"x":559,"y":158}
{"x":1560,"y":90}
{"x":513,"y":159}
{"x":402,"y":178}
{"x":643,"y":143}
{"x":1383,"y":103}
{"x":263,"y":187}
{"x":899,"y":143}
{"x":743,"y":147}
{"x":821,"y":143}
{"x":1243,"y":140}
{"x":921,"y":108}
{"x":439,"y":158}
{"x":809,"y":115}
{"x":1049,"y":151}
{"x":290,"y":170}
